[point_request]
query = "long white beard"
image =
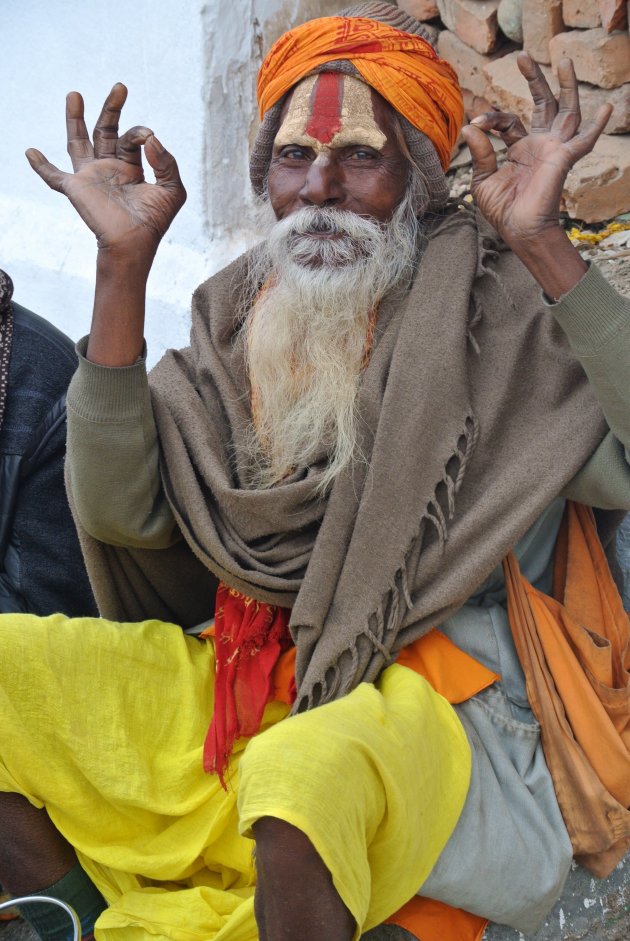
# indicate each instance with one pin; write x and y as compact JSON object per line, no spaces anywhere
{"x":307,"y":330}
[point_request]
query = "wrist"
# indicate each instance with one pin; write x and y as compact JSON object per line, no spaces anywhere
{"x":553,"y":261}
{"x":116,"y":335}
{"x":131,"y":265}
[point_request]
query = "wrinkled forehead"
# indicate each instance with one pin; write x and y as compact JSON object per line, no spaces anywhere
{"x":330,"y":110}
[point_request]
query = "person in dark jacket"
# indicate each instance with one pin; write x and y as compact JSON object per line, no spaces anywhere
{"x":41,"y":566}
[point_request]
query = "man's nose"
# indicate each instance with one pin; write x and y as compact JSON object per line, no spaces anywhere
{"x":322,"y":186}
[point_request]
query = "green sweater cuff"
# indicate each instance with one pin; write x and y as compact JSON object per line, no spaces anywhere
{"x":592,"y":313}
{"x":107,"y":393}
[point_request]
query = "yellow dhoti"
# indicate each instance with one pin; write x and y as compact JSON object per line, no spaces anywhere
{"x":104,"y":724}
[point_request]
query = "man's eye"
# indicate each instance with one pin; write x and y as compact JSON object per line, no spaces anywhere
{"x":362,"y":154}
{"x":293,"y":153}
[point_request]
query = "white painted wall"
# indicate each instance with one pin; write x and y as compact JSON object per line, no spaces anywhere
{"x":190,"y":68}
{"x":51,"y":48}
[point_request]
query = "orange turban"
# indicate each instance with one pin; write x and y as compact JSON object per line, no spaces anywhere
{"x":403,"y":68}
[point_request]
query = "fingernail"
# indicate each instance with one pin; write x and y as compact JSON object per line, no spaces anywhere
{"x":479,"y":119}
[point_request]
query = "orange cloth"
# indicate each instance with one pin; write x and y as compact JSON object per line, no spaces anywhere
{"x":451,"y":672}
{"x":283,"y":678}
{"x":591,"y":618}
{"x":403,"y":68}
{"x":429,"y":920}
{"x":575,"y":652}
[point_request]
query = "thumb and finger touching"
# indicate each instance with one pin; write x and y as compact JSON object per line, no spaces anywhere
{"x":107,"y":186}
{"x":128,"y":147}
{"x":560,"y":117}
{"x":106,"y":143}
{"x":505,"y":125}
{"x":163,"y":164}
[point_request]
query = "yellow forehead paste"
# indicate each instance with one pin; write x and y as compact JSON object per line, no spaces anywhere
{"x":330,"y":110}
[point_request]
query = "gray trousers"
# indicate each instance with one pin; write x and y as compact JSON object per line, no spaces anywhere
{"x":510,"y":854}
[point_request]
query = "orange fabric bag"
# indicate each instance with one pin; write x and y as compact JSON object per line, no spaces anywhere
{"x":575,"y":653}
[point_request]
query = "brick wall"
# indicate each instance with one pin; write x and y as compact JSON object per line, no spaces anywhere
{"x":481,"y":39}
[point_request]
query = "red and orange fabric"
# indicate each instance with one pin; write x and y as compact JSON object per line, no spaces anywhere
{"x":249,"y":638}
{"x":403,"y":68}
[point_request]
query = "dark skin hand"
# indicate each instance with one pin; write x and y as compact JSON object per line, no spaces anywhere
{"x":107,"y":187}
{"x":127,"y":215}
{"x":521,"y":198}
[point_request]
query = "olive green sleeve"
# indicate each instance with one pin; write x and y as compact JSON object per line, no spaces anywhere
{"x":113,"y":457}
{"x":596,"y":320}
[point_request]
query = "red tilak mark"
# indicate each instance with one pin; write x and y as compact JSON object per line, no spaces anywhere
{"x":326,"y":98}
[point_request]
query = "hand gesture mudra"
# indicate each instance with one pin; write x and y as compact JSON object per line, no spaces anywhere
{"x":521,"y":198}
{"x":107,"y":188}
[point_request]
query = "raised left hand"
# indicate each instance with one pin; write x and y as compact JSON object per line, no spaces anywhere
{"x":521,"y":198}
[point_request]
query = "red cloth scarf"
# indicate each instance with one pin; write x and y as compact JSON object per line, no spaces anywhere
{"x":250,"y":636}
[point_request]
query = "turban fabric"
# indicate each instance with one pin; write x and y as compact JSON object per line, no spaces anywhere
{"x":402,"y":67}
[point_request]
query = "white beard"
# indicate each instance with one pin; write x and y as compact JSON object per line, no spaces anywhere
{"x":306,"y":333}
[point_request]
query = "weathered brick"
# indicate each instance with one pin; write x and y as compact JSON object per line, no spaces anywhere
{"x":507,"y":88}
{"x":584,"y":14}
{"x":598,"y":186}
{"x":598,"y":58}
{"x":541,"y":22}
{"x":474,"y":21}
{"x":614,"y":14}
{"x":510,"y":17}
{"x":421,"y":9}
{"x":467,"y":62}
{"x":592,"y":98}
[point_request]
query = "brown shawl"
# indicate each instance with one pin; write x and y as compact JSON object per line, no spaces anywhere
{"x":474,"y":416}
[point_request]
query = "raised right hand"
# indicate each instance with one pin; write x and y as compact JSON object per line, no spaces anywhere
{"x":127,"y":215}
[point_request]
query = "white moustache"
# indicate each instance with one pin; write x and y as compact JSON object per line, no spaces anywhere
{"x":332,"y":237}
{"x":321,"y":220}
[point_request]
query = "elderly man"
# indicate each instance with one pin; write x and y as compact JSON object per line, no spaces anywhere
{"x":377,"y":407}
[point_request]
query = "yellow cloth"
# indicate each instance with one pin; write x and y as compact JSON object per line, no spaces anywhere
{"x":104,"y":724}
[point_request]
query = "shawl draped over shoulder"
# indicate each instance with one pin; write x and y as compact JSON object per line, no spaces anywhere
{"x":474,"y":416}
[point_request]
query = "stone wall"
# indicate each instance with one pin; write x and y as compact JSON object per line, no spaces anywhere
{"x":481,"y":39}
